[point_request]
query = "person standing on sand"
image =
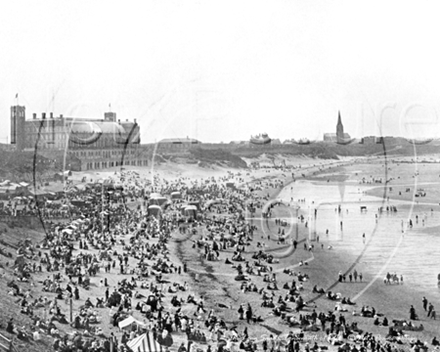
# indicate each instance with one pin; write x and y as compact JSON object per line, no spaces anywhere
{"x":248,"y":313}
{"x":425,"y":303}
{"x":264,"y":345}
{"x":360,"y":277}
{"x":271,"y":344}
{"x":412,"y":313}
{"x":430,"y":308}
{"x":355,"y":275}
{"x":240,"y":312}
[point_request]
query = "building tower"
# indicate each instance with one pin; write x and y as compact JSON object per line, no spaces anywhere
{"x":110,"y":116}
{"x":339,"y":129}
{"x":18,"y":117}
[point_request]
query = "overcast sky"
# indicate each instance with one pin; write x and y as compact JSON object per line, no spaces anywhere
{"x":223,"y":70}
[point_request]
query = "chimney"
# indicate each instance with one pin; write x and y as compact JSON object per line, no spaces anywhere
{"x":34,"y":115}
{"x":61,"y":116}
{"x":126,"y":120}
{"x":51,"y":115}
{"x":135,"y":121}
{"x":43,"y":115}
{"x":119,"y":121}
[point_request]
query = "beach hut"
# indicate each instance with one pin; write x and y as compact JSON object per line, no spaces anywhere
{"x":154,"y":210}
{"x":158,"y":200}
{"x":176,"y":195}
{"x":190,"y":211}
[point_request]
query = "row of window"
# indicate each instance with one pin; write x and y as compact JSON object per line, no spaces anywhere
{"x":103,"y":153}
{"x":106,"y":164}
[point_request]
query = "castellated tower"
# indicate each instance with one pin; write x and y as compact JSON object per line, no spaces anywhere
{"x":18,"y":117}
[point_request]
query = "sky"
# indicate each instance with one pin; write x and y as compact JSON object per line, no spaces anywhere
{"x":222,"y":71}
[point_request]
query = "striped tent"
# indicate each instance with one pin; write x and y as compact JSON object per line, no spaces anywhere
{"x":145,"y":343}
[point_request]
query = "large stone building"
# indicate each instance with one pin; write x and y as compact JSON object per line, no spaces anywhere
{"x":340,"y":136}
{"x":97,"y":143}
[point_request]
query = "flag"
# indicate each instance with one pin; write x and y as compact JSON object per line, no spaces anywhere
{"x":16,"y":96}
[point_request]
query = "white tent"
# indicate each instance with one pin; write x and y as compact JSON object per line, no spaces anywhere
{"x":128,"y":322}
{"x":145,"y":343}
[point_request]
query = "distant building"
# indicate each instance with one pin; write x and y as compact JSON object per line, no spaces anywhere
{"x":368,"y":140}
{"x":340,"y":136}
{"x":97,"y":143}
{"x":176,"y":145}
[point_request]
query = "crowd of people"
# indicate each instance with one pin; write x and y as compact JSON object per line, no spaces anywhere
{"x":116,"y":236}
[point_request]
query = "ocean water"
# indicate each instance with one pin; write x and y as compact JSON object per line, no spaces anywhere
{"x":390,"y":244}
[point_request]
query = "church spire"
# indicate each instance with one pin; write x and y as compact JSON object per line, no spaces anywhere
{"x":339,"y":129}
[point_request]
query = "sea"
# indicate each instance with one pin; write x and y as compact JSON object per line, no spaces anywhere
{"x":384,"y":241}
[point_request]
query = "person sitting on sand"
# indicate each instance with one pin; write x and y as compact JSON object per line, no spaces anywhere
{"x":88,"y":303}
{"x":340,"y":308}
{"x":318,"y":290}
{"x":346,"y":300}
{"x":272,"y":286}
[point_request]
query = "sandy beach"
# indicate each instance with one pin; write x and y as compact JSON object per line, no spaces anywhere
{"x":319,"y":204}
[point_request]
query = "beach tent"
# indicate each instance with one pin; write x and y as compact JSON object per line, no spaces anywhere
{"x":145,"y":343}
{"x":128,"y":322}
{"x":154,"y":210}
